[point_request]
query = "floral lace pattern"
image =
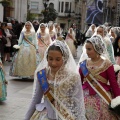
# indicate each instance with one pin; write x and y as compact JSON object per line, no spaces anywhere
{"x":97,"y":70}
{"x":67,"y":90}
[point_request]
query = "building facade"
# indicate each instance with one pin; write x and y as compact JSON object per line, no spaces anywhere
{"x":20,"y":10}
{"x":68,"y":11}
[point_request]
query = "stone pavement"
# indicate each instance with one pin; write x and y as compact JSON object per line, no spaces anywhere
{"x":19,"y":95}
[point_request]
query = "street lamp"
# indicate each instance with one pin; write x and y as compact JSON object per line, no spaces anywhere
{"x":45,"y":3}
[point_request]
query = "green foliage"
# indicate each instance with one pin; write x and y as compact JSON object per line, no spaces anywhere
{"x":5,"y":2}
{"x":50,"y":14}
{"x":31,"y":16}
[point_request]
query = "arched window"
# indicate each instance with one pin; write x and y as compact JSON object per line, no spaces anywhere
{"x":51,"y":5}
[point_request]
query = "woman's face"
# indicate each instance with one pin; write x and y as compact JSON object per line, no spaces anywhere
{"x":9,"y":27}
{"x":100,"y":31}
{"x":42,"y":28}
{"x":51,"y":27}
{"x":28,"y":26}
{"x":90,"y":50}
{"x":55,"y":60}
{"x":112,"y":33}
{"x":93,"y":27}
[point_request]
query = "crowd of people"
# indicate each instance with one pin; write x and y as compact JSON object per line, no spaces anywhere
{"x":64,"y":90}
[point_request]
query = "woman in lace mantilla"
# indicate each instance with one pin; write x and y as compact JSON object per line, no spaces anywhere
{"x":65,"y":85}
{"x":26,"y":60}
{"x":44,"y":39}
{"x":103,"y":72}
{"x":70,"y":39}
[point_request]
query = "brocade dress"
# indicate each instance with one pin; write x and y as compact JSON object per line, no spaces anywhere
{"x":67,"y":90}
{"x":3,"y":88}
{"x":96,"y":108}
{"x":25,"y":60}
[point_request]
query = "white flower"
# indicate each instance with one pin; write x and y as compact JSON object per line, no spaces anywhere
{"x":116,"y":67}
{"x":115,"y":102}
{"x":16,"y":46}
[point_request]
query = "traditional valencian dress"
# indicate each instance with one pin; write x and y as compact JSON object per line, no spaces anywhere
{"x":42,"y":46}
{"x":70,"y":43}
{"x":64,"y":98}
{"x":3,"y":92}
{"x":52,"y":35}
{"x":25,"y":60}
{"x":96,"y":108}
{"x":68,"y":94}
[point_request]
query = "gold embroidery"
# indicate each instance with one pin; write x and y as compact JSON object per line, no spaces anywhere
{"x":41,"y":72}
{"x":96,"y":72}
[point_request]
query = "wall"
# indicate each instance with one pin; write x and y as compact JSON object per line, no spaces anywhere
{"x":1,"y":13}
{"x":20,"y":10}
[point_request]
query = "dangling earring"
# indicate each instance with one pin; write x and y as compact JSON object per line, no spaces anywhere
{"x":97,"y":56}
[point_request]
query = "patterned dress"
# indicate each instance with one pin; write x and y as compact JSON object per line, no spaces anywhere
{"x":67,"y":90}
{"x":43,"y":46}
{"x":3,"y":92}
{"x":70,"y":43}
{"x":96,"y":108}
{"x":25,"y":60}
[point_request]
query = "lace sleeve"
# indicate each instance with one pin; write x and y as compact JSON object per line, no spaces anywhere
{"x":111,"y":52}
{"x":79,"y":109}
{"x":74,"y":100}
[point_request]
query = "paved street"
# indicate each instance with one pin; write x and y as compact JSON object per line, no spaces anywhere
{"x":19,"y":95}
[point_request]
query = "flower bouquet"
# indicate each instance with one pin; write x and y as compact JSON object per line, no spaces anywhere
{"x":16,"y":46}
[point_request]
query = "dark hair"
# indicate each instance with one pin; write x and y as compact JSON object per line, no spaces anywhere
{"x":55,"y":48}
{"x":4,"y":24}
{"x":115,"y":46}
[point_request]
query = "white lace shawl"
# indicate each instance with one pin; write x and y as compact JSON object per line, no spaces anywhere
{"x":67,"y":83}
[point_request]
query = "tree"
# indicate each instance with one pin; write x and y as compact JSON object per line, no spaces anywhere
{"x":5,"y":2}
{"x":49,"y":14}
{"x":31,"y":16}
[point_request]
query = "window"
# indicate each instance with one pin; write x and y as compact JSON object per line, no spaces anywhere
{"x":70,"y":6}
{"x":34,"y":5}
{"x":59,"y":6}
{"x":66,"y":6}
{"x":62,"y":5}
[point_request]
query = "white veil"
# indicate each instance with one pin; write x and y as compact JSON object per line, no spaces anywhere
{"x":84,"y":54}
{"x":70,"y":65}
{"x":73,"y":33}
{"x":54,"y":30}
{"x":32,"y":28}
{"x":46,"y":28}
